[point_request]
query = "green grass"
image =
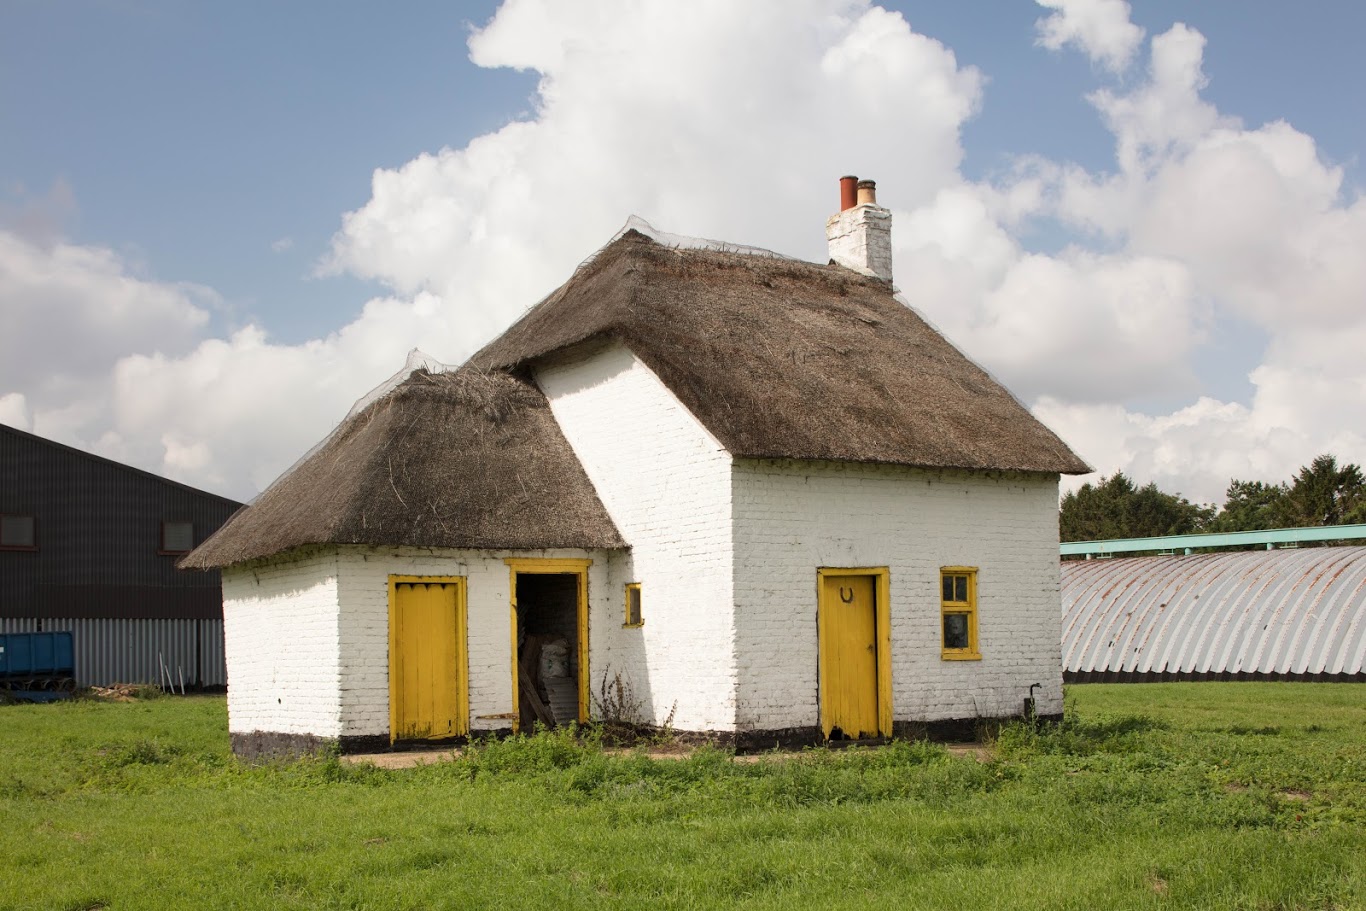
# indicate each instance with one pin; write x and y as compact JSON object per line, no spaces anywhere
{"x":1219,"y":796}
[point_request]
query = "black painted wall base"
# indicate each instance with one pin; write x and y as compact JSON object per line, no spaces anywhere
{"x":944,"y":731}
{"x":265,"y":745}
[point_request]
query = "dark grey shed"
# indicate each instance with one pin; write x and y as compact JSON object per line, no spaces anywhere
{"x":98,"y":564}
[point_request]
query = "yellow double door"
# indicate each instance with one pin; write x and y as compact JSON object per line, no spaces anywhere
{"x":428,"y":665}
{"x":855,"y":680}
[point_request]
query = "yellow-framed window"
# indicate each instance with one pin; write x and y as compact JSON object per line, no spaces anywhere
{"x":633,"y":615}
{"x":958,"y":613}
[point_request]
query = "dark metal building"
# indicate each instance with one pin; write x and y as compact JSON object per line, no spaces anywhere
{"x":90,"y":545}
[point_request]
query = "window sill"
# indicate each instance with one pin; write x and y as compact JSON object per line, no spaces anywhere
{"x":633,"y":625}
{"x":19,"y":547}
{"x":172,"y":553}
{"x":960,"y":656}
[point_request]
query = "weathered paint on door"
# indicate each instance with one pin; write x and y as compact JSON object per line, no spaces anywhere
{"x":849,"y":655}
{"x":428,"y":698}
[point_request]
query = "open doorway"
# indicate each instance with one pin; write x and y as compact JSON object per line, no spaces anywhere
{"x":550,"y":642}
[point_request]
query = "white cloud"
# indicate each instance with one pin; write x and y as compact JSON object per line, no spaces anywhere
{"x":1100,"y":28}
{"x":233,"y":413}
{"x":1257,"y":221}
{"x":671,"y":112}
{"x":733,"y":122}
{"x":701,"y":119}
{"x":14,"y":411}
{"x":1296,"y":413}
{"x":70,"y":313}
{"x":1166,"y":115}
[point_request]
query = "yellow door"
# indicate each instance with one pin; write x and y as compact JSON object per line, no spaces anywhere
{"x":848,"y":655}
{"x":427,"y":695}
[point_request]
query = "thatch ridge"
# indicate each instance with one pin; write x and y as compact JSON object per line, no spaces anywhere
{"x":780,"y":358}
{"x":468,"y":459}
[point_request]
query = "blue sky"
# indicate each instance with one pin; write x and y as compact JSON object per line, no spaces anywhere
{"x":212,"y":151}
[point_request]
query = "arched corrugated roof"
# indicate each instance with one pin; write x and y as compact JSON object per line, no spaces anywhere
{"x":1278,"y":613}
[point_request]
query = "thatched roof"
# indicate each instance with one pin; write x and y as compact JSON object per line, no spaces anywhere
{"x":464,"y":459}
{"x":786,"y":359}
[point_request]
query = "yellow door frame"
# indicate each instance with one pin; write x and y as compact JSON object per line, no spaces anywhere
{"x":551,"y":566}
{"x":462,"y":657}
{"x":882,"y":588}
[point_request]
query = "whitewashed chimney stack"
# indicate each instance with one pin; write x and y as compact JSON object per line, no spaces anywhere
{"x":860,"y":234}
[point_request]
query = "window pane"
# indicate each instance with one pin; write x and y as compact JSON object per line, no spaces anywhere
{"x":948,"y":588}
{"x":960,"y":588}
{"x":633,"y":605}
{"x":177,"y":537}
{"x":955,"y":631}
{"x":16,"y":531}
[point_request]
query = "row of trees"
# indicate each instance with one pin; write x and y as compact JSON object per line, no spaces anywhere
{"x":1322,"y":493}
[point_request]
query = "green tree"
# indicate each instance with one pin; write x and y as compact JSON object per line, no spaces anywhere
{"x":1252,"y":506}
{"x":1115,"y":508}
{"x":1324,"y":493}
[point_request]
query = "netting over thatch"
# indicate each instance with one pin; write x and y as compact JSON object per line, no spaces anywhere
{"x":785,"y":359}
{"x":464,"y":459}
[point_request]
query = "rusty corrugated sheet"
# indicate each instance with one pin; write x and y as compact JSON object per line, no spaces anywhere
{"x":1279,"y":614}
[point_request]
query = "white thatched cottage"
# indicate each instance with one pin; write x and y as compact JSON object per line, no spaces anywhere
{"x":763,"y":492}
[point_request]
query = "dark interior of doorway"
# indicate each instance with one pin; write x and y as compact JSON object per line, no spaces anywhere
{"x":547,"y":649}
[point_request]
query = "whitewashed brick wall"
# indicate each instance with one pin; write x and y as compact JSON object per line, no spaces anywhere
{"x":861,"y":239}
{"x":791,"y":518}
{"x":308,"y":638}
{"x":364,"y":575}
{"x":727,"y":556}
{"x":666,"y":483}
{"x":280,"y":629}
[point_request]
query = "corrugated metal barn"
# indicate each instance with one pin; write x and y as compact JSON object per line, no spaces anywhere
{"x":1296,"y":614}
{"x":89,"y":545}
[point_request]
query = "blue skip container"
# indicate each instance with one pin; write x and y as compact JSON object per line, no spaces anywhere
{"x":36,"y":660}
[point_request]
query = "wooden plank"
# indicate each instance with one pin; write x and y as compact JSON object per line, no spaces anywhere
{"x":533,"y":699}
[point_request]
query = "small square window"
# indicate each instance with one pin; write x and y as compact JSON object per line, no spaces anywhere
{"x":177,"y":537}
{"x":633,"y":616}
{"x":958,"y":613}
{"x":18,"y":532}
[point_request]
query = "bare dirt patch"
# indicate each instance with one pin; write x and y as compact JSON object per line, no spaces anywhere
{"x":402,"y":760}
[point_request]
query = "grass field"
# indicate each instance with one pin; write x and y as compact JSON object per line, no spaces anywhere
{"x":1207,"y":795}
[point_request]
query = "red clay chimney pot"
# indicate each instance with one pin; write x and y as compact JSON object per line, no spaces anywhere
{"x":848,"y":192}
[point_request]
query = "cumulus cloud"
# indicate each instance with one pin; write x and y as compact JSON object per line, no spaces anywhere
{"x":677,"y":113}
{"x":1203,"y":223}
{"x":733,"y":122}
{"x":14,"y":411}
{"x":1260,"y":226}
{"x":1087,"y":325}
{"x":1099,"y":28}
{"x":70,"y":313}
{"x":233,"y":413}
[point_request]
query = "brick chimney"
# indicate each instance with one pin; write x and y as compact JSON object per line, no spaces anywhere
{"x":860,"y":235}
